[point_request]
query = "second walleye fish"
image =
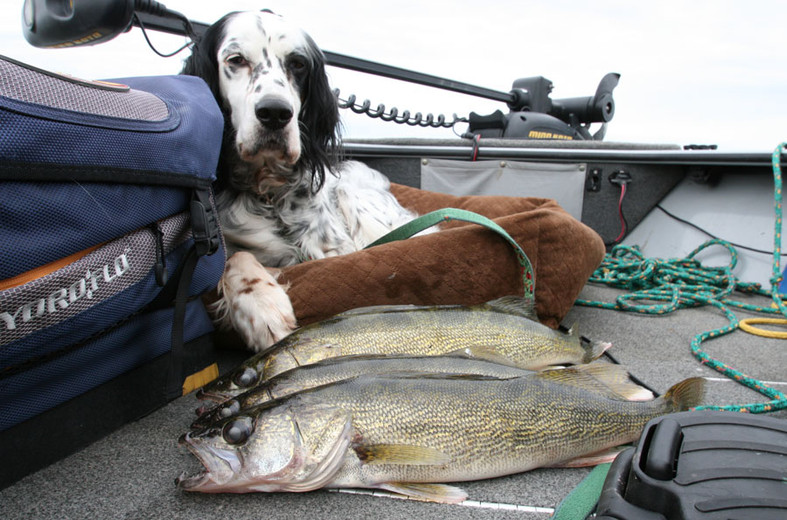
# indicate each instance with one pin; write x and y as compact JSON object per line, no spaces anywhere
{"x":504,"y":331}
{"x":607,"y":379}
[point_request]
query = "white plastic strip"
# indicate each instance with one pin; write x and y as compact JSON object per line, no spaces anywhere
{"x":467,"y":503}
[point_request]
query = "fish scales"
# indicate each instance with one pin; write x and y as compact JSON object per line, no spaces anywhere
{"x":525,"y":422}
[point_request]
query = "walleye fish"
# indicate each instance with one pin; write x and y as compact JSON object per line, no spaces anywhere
{"x":611,"y":380}
{"x":504,"y":331}
{"x":410,"y":435}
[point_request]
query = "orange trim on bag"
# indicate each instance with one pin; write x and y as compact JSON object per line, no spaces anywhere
{"x":43,"y":270}
{"x":201,"y":378}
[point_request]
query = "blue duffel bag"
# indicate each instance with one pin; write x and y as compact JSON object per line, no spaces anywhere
{"x":108,"y":237}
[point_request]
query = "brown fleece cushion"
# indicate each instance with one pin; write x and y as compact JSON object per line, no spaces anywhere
{"x":462,"y":264}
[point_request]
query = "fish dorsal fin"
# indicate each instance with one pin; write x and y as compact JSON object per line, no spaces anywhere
{"x":516,"y":305}
{"x":382,"y":309}
{"x":442,"y":493}
{"x":400,"y":454}
{"x":457,"y":376}
{"x":377,"y":309}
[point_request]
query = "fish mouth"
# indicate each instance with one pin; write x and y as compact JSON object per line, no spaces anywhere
{"x":222,"y":470}
{"x":218,"y":466}
{"x":216,"y":396}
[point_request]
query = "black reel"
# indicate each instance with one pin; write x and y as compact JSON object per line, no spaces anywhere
{"x":534,"y":115}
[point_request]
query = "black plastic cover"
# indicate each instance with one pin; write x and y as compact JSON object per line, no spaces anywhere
{"x":701,"y":465}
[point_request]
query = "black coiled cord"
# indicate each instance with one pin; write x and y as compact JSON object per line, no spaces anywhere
{"x":393,"y":115}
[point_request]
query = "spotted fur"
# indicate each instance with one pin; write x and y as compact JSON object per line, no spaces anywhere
{"x":283,"y":196}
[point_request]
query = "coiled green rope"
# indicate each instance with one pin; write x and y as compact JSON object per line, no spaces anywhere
{"x":685,"y":282}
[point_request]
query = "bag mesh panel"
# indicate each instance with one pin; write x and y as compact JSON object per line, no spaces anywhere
{"x":31,"y":86}
{"x":56,"y":229}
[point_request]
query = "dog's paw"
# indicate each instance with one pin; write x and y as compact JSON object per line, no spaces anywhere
{"x":253,"y":303}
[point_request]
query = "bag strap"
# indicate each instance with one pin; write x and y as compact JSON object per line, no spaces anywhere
{"x":205,"y":232}
{"x":177,"y":355}
{"x":447,"y":214}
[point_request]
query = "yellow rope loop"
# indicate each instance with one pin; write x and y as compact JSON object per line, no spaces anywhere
{"x":746,"y":325}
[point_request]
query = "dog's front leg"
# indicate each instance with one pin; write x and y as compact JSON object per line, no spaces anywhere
{"x":253,"y":303}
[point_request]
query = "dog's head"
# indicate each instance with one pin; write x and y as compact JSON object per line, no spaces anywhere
{"x":269,"y":78}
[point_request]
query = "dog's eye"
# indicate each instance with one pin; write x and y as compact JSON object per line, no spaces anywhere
{"x":236,"y":59}
{"x":296,"y":64}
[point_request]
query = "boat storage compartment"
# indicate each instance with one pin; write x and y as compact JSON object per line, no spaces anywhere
{"x":701,"y":465}
{"x":108,"y":237}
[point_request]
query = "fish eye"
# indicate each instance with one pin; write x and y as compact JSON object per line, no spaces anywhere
{"x":229,"y":408}
{"x":245,"y":378}
{"x":237,"y":431}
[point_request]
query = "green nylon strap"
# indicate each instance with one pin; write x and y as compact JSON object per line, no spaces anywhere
{"x":582,"y":500}
{"x":447,"y":214}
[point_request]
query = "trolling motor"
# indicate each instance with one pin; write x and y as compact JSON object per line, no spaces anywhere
{"x":534,"y":115}
{"x":69,"y":23}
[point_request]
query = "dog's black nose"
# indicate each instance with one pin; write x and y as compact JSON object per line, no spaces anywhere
{"x":273,"y":113}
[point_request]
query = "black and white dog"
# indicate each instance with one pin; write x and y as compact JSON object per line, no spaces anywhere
{"x":283,"y":196}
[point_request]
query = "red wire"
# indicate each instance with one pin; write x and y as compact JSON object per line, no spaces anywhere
{"x":620,"y":214}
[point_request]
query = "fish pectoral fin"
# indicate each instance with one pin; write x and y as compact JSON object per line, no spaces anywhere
{"x":482,"y":352}
{"x":516,"y":305}
{"x":442,"y":493}
{"x":592,"y":459}
{"x":400,"y":454}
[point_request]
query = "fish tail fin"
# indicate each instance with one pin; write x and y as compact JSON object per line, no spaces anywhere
{"x":593,"y":349}
{"x":685,"y":395}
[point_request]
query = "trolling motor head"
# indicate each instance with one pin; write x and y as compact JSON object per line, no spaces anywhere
{"x":64,"y":23}
{"x":68,"y":23}
{"x":534,"y":115}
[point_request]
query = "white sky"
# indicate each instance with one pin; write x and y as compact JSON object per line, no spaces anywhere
{"x":696,"y":72}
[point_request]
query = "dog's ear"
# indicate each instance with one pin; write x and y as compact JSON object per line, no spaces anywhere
{"x":203,"y":61}
{"x":319,"y":120}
